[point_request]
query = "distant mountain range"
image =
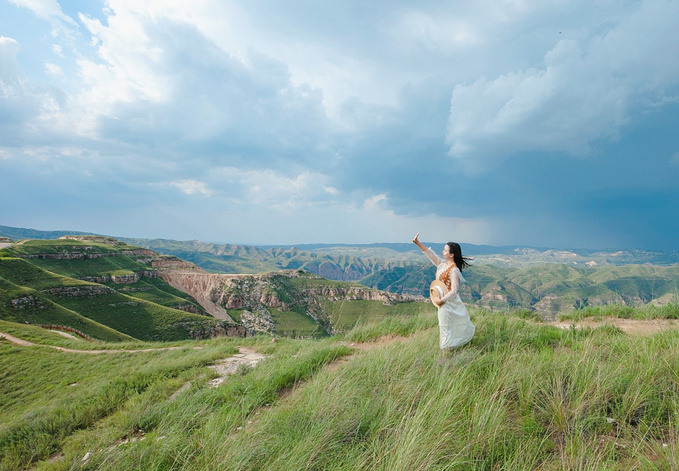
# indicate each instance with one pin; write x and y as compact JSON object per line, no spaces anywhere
{"x":546,"y":280}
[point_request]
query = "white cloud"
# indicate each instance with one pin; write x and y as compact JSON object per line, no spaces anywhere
{"x":10,"y":74}
{"x":582,"y":91}
{"x":50,"y":11}
{"x":190,"y":187}
{"x":373,"y":201}
{"x":53,"y":69}
{"x":271,"y":188}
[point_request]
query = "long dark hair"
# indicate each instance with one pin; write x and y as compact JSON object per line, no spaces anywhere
{"x":460,"y":261}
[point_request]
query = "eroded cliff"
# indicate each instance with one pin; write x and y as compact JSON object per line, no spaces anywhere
{"x":284,"y":290}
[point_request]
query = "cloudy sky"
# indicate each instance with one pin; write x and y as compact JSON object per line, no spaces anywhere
{"x":551,"y":123}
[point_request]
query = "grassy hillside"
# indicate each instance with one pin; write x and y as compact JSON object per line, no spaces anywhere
{"x":521,"y":395}
{"x":43,"y":288}
{"x":36,"y":308}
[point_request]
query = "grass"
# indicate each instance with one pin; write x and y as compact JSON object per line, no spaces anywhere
{"x":140,"y":319}
{"x":156,"y":291}
{"x":110,"y":317}
{"x":344,"y":315}
{"x":295,"y":324}
{"x":114,"y":265}
{"x":668,"y":311}
{"x":23,"y":273}
{"x":520,"y":395}
{"x":39,"y":309}
{"x":46,"y":395}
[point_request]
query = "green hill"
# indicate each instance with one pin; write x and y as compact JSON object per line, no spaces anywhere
{"x":521,"y":395}
{"x":23,"y":304}
{"x":98,"y":287}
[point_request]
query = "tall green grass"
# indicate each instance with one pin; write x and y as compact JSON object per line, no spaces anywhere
{"x":520,"y":395}
{"x":667,"y":311}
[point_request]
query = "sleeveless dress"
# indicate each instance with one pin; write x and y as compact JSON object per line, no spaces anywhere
{"x":455,"y":326}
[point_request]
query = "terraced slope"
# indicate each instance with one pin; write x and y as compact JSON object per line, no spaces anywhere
{"x":100,"y":287}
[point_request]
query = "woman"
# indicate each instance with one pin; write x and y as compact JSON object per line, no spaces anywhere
{"x":455,"y":327}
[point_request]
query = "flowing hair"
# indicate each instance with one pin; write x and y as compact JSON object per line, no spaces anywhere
{"x":460,"y":261}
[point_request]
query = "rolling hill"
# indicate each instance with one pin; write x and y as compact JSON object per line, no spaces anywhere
{"x":98,"y":286}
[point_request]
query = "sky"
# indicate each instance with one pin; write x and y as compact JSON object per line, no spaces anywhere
{"x":549,"y":123}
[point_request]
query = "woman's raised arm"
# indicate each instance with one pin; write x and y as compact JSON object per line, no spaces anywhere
{"x":418,"y":243}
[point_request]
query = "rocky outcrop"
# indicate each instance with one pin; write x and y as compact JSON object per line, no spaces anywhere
{"x":221,"y":329}
{"x":79,"y":291}
{"x":355,"y":293}
{"x":188,"y":308}
{"x":125,"y":279}
{"x":139,"y":253}
{"x":260,"y":321}
{"x":120,"y":279}
{"x":71,"y":255}
{"x":96,"y":279}
{"x":164,"y":263}
{"x":28,"y":302}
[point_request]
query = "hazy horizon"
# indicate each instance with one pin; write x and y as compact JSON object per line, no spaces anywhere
{"x":434,"y":244}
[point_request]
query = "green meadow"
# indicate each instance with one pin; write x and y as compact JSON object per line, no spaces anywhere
{"x":522,"y":395}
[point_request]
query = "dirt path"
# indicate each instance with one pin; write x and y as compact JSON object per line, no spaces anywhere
{"x":26,"y":343}
{"x":630,"y":326}
{"x":228,"y":366}
{"x":66,"y":334}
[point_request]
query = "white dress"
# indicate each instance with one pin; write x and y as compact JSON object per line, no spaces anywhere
{"x":455,"y":326}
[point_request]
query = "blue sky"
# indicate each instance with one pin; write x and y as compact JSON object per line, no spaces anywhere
{"x":550,"y":123}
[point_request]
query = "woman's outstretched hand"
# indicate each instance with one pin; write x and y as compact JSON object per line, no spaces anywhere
{"x":417,"y":242}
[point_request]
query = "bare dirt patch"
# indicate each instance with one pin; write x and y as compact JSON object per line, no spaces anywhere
{"x":244,"y":358}
{"x":629,"y":326}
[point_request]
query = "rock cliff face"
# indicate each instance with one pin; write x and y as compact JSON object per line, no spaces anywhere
{"x":201,"y":286}
{"x":284,"y":290}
